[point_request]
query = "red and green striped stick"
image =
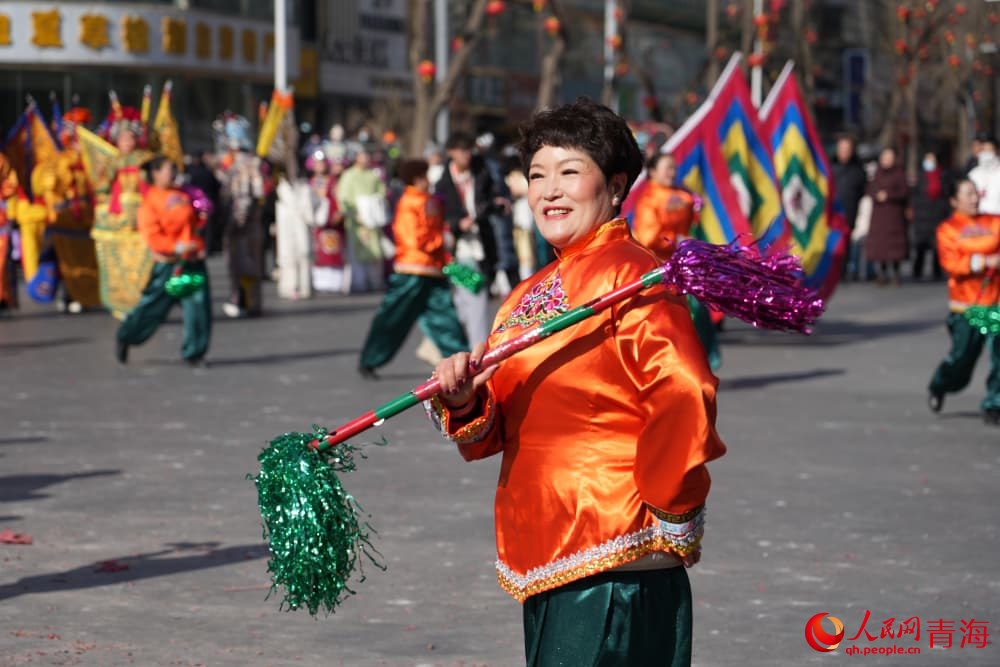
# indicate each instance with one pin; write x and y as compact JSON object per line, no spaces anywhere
{"x":733,"y":279}
{"x":503,"y":351}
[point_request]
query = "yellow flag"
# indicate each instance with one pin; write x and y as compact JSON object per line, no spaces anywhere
{"x":165,"y":129}
{"x":281,"y":104}
{"x":97,"y":156}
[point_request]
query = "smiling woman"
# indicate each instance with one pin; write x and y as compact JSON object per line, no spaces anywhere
{"x":604,"y":429}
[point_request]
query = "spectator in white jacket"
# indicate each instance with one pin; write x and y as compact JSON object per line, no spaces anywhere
{"x":986,"y":176}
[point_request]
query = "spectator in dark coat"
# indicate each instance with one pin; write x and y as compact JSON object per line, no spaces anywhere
{"x":849,"y":186}
{"x":201,"y":173}
{"x":471,"y":194}
{"x":930,"y":207}
{"x":886,"y":244}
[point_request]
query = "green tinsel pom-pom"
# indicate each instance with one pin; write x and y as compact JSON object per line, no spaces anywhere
{"x":310,"y":521}
{"x":184,"y":284}
{"x":465,"y":276}
{"x":984,"y":318}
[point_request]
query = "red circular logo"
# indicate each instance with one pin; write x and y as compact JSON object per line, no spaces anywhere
{"x":819,"y":638}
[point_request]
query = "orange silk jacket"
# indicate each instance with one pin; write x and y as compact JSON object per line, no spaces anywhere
{"x":962,"y":243}
{"x":166,"y":218}
{"x":605,"y":428}
{"x":662,"y":215}
{"x":419,"y":230}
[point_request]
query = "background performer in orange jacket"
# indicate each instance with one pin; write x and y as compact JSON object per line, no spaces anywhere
{"x":969,"y":249}
{"x":664,"y":215}
{"x":418,"y":289}
{"x":168,"y":223}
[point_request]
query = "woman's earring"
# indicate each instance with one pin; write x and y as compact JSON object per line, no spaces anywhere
{"x":614,"y":200}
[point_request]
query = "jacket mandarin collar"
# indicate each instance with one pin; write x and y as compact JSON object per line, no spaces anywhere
{"x":609,"y":231}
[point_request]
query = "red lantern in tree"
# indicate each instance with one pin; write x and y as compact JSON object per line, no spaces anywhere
{"x":619,"y":13}
{"x":949,"y":36}
{"x":977,"y":65}
{"x":952,"y":19}
{"x":919,"y":13}
{"x":970,"y":40}
{"x":994,"y":18}
{"x":621,"y":69}
{"x":922,"y":53}
{"x":777,"y":6}
{"x":902,"y":13}
{"x":457,"y":43}
{"x":960,"y":9}
{"x":538,"y":6}
{"x":691,"y":97}
{"x":900,"y":46}
{"x":721,"y":52}
{"x":756,"y":59}
{"x":426,"y":69}
{"x":810,"y":36}
{"x":903,"y":81}
{"x":552,"y":25}
{"x":732,"y":11}
{"x":954,"y":60}
{"x":495,"y":7}
{"x":615,"y":41}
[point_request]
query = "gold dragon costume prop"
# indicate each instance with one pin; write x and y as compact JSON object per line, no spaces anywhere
{"x":61,"y":188}
{"x":124,"y":259}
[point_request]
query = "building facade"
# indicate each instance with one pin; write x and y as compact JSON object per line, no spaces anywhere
{"x":219,"y":55}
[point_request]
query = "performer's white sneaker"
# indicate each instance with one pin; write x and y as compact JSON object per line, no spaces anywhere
{"x":231,"y":310}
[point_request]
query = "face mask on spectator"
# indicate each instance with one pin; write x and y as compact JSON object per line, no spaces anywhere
{"x":929,"y":165}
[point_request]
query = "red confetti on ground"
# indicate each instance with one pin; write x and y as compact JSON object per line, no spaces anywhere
{"x":111,"y":566}
{"x":8,"y":536}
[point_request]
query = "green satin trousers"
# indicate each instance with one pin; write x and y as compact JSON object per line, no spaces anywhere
{"x":614,"y":619}
{"x":155,"y":304}
{"x":954,"y":373}
{"x":410,"y":299}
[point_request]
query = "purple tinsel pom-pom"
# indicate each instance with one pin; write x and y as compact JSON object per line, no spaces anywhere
{"x":765,"y":291}
{"x":199,"y":200}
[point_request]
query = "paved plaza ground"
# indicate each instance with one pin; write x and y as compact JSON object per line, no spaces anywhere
{"x":840,"y":493}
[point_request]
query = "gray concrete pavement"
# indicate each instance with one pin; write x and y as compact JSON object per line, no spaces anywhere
{"x":840,"y":493}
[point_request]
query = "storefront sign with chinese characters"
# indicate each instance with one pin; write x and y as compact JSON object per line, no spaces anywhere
{"x":129,"y":35}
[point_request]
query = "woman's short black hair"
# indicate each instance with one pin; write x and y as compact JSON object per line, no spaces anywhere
{"x":410,"y":170}
{"x":587,"y":126}
{"x":460,"y":140}
{"x":955,"y":183}
{"x":655,"y":158}
{"x":154,"y":164}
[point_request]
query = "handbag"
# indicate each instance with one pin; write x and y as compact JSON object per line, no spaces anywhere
{"x":373,"y":211}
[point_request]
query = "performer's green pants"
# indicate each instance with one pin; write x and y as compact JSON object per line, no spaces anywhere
{"x":706,"y":332}
{"x":410,"y":298}
{"x":155,"y":304}
{"x":955,"y":371}
{"x":638,"y":619}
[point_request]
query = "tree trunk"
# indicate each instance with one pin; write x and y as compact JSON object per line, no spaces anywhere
{"x":805,"y":51}
{"x":912,"y":126}
{"x":428,"y":98}
{"x":549,"y":78}
{"x":747,"y":30}
{"x":711,"y":41}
